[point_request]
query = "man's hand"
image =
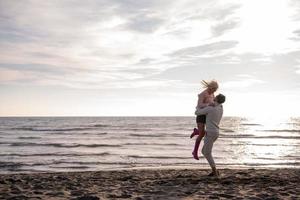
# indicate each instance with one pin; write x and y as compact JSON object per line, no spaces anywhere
{"x":212,"y":104}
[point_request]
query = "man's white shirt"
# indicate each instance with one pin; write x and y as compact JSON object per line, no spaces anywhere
{"x":213,"y":117}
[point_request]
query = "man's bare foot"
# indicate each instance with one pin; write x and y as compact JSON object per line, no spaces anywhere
{"x":195,"y":132}
{"x":216,"y":174}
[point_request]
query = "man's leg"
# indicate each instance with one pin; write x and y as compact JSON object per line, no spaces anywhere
{"x":207,"y":152}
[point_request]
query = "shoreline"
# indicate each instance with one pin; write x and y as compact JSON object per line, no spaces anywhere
{"x":166,"y":167}
{"x":154,"y":183}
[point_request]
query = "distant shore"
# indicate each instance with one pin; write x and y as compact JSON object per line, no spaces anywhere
{"x":154,"y":184}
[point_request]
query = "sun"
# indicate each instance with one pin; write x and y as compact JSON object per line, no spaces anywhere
{"x":265,"y":26}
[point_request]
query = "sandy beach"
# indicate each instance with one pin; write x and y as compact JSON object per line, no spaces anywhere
{"x":154,"y":184}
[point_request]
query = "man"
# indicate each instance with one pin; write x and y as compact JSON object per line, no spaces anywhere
{"x":213,"y":118}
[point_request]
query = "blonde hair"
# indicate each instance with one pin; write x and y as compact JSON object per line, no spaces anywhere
{"x":211,"y":84}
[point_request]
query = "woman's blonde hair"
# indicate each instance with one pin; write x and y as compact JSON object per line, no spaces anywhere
{"x":210,"y":84}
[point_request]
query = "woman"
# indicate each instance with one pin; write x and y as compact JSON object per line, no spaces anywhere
{"x":205,"y":98}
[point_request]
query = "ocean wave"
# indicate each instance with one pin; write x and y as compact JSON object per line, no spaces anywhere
{"x":124,"y":162}
{"x":293,"y":123}
{"x":56,"y":154}
{"x":29,"y":138}
{"x":227,"y":130}
{"x":9,"y":164}
{"x":275,"y":158}
{"x":250,"y":124}
{"x":154,"y":144}
{"x":148,"y":135}
{"x":273,"y":164}
{"x":101,"y":125}
{"x":283,"y":130}
{"x":157,"y":135}
{"x":257,"y":164}
{"x":60,"y":144}
{"x":103,"y":133}
{"x":59,"y":162}
{"x":77,"y":133}
{"x":265,"y":158}
{"x":49,"y":129}
{"x":158,"y":157}
{"x":293,"y":157}
{"x":279,"y":137}
{"x":266,"y":145}
{"x":88,"y":164}
{"x":71,"y":167}
{"x":237,"y":136}
{"x":259,"y":137}
{"x":136,"y":129}
{"x":19,"y":164}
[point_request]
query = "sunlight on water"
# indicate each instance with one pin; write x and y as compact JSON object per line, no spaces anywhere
{"x":274,"y":139}
{"x":271,"y":121}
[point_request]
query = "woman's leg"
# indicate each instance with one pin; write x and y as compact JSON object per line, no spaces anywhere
{"x":201,"y":127}
{"x":200,"y":119}
{"x":198,"y":140}
{"x":195,"y":132}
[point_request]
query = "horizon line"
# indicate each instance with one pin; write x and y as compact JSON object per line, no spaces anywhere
{"x":41,"y":116}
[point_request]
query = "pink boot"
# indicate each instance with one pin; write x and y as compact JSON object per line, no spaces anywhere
{"x":196,"y":147}
{"x":196,"y":132}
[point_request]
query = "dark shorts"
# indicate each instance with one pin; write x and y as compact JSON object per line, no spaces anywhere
{"x":201,"y":119}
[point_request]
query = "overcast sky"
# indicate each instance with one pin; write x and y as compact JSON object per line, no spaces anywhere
{"x":148,"y":57}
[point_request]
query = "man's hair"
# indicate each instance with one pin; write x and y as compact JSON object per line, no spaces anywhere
{"x":220,"y":98}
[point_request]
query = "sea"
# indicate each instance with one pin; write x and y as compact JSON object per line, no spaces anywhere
{"x":64,"y":144}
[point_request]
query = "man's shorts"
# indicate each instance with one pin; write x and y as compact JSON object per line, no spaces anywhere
{"x":201,"y":119}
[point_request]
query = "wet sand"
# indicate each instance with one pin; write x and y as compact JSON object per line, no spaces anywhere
{"x":154,"y":184}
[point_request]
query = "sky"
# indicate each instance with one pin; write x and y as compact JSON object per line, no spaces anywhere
{"x":147,"y":58}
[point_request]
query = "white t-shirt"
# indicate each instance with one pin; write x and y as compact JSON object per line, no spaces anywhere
{"x":213,"y":117}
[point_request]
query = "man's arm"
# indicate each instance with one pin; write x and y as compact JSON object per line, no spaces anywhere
{"x":203,"y":111}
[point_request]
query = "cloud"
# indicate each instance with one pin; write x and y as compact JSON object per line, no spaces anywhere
{"x":130,"y":6}
{"x":143,"y":16}
{"x":206,"y":49}
{"x":44,"y":75}
{"x":296,"y":34}
{"x":47,"y":69}
{"x":109,"y":43}
{"x":295,"y":4}
{"x":215,"y":15}
{"x":239,"y":71}
{"x":11,"y":75}
{"x":144,"y":23}
{"x":217,"y":12}
{"x":222,"y":27}
{"x":298,"y":70}
{"x":128,"y":49}
{"x":242,"y":83}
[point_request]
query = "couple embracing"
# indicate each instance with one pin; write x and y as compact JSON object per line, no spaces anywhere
{"x":209,"y":112}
